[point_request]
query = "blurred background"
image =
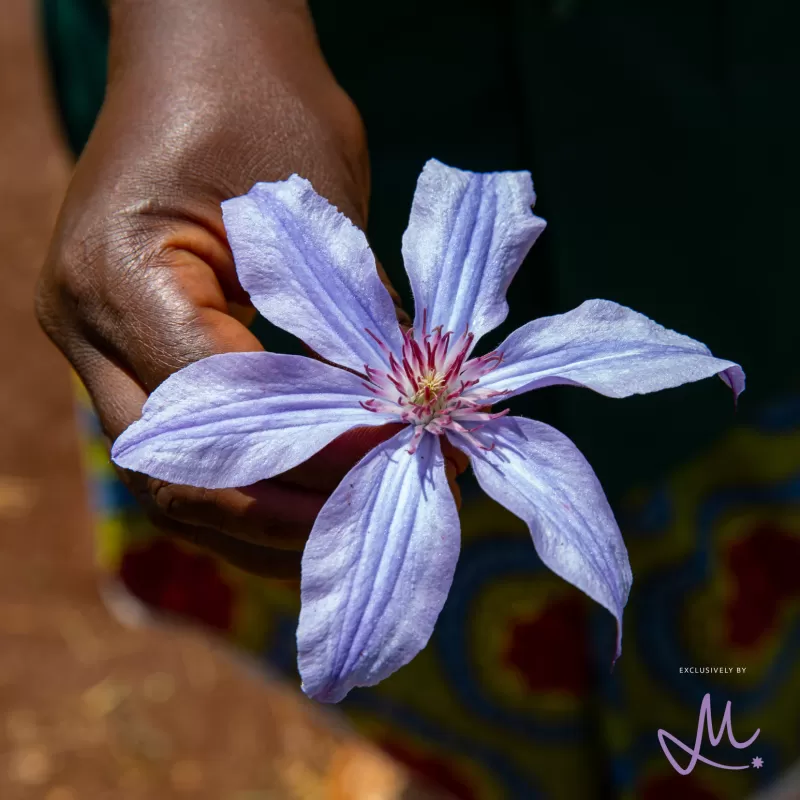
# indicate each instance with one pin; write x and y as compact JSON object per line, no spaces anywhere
{"x":515,"y":691}
{"x":89,"y":708}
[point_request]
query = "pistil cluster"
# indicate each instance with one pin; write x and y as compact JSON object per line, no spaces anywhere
{"x":430,"y":384}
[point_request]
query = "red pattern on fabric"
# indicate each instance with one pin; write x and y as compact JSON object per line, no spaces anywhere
{"x":177,"y":581}
{"x":765,"y":565}
{"x":550,"y":651}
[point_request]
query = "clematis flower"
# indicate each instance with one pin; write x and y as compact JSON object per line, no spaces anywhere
{"x":380,"y":559}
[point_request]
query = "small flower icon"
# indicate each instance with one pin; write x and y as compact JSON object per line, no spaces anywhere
{"x":758,"y":762}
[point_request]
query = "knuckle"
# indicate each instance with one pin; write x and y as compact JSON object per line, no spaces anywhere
{"x":68,"y":293}
{"x":106,"y":287}
{"x":164,"y":496}
{"x":188,"y":504}
{"x":155,"y":497}
{"x":96,"y":272}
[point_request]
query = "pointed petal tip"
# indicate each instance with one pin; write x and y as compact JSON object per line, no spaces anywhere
{"x":608,"y":348}
{"x":734,"y":378}
{"x":117,"y":449}
{"x":618,"y":646}
{"x":126,"y":451}
{"x":329,"y":693}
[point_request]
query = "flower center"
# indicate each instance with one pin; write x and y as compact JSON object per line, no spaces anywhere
{"x":430,"y":384}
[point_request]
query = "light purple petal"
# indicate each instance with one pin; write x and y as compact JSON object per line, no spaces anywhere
{"x":236,"y":418}
{"x":377,"y":568}
{"x":538,"y":474}
{"x":606,"y":347}
{"x":466,"y":238}
{"x":310,"y":271}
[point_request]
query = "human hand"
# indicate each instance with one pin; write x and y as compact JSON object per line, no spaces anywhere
{"x":203,"y":100}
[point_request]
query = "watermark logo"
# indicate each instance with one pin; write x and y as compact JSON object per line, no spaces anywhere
{"x":705,"y":725}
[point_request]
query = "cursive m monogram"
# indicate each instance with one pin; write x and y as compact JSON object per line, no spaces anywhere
{"x":704,"y":721}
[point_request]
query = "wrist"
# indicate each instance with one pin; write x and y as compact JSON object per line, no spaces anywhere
{"x":221,"y":93}
{"x":255,"y":38}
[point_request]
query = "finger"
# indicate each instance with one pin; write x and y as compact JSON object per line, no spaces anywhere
{"x":264,"y":562}
{"x":242,"y":313}
{"x":267,"y":513}
{"x":167,"y":310}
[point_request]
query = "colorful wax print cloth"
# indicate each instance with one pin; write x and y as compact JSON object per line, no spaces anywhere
{"x":513,"y":697}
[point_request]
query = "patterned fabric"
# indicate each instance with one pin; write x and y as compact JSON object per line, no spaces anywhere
{"x":716,"y":554}
{"x":512,"y":698}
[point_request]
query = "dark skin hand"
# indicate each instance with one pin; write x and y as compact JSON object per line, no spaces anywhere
{"x":204,"y":99}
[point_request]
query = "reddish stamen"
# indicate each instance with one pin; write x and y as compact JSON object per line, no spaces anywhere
{"x":418,"y":357}
{"x":379,"y":342}
{"x":397,"y":385}
{"x":410,"y":375}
